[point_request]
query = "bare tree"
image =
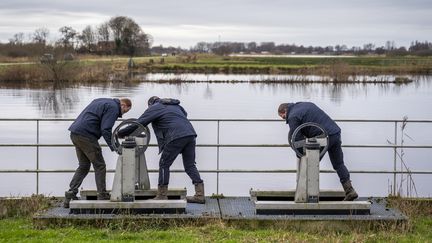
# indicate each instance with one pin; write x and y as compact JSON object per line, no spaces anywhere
{"x":103,"y":32}
{"x":128,"y":36}
{"x":117,"y":25}
{"x":18,"y":39}
{"x":68,"y":36}
{"x":222,"y":50}
{"x":88,"y":38}
{"x":369,"y":47}
{"x":40,"y":35}
{"x":140,"y":45}
{"x":103,"y":38}
{"x":267,"y":46}
{"x":251,"y":46}
{"x":202,"y":47}
{"x":57,"y":69}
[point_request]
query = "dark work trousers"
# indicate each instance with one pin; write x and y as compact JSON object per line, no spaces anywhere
{"x":336,"y":157}
{"x":185,"y":146}
{"x":88,"y":152}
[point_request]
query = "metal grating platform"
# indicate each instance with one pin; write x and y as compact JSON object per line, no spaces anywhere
{"x":244,"y":208}
{"x":208,"y":210}
{"x":231,"y":208}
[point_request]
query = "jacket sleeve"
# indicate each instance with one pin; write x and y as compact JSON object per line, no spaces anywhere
{"x":146,"y":118}
{"x":293,"y":123}
{"x":109,"y":116}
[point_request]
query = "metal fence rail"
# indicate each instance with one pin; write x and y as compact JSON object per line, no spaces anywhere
{"x":218,"y":145}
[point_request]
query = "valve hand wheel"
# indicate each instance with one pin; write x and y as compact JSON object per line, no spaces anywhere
{"x":139,"y":131}
{"x":298,"y":144}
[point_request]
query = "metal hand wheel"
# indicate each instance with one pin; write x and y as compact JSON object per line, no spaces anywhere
{"x":139,"y":131}
{"x":322,"y":139}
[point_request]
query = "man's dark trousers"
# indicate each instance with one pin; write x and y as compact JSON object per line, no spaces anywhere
{"x":185,"y":146}
{"x":336,"y":157}
{"x":88,"y":152}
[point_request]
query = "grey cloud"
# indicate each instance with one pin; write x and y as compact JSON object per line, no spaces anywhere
{"x":312,"y":19}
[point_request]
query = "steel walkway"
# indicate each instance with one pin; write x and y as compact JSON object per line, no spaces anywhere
{"x":230,"y":209}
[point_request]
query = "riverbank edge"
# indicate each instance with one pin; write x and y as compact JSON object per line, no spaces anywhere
{"x":100,"y":72}
{"x":105,"y":69}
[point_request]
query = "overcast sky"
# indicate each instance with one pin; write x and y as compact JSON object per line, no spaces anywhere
{"x":186,"y":22}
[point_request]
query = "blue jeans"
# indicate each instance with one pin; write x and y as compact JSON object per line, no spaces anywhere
{"x":336,"y":157}
{"x":185,"y":146}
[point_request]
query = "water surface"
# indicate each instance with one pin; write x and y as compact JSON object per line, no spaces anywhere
{"x":224,"y":100}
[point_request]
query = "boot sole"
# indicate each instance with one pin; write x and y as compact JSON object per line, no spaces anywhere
{"x":351,"y":198}
{"x":199,"y":202}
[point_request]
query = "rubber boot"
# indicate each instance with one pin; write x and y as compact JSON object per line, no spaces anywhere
{"x":162,"y":193}
{"x":69,"y":195}
{"x":199,"y":194}
{"x":103,"y":196}
{"x":350,"y":193}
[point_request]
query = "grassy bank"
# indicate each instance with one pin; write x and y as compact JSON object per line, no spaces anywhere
{"x":24,"y":207}
{"x":288,"y":65}
{"x":62,"y":72}
{"x":16,"y":226}
{"x":96,"y":69}
{"x":21,"y":230}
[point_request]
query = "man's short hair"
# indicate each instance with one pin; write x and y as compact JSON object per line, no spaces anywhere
{"x":126,"y":101}
{"x":283,"y":107}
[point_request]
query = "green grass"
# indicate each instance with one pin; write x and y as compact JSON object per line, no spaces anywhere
{"x":300,"y":65}
{"x":362,"y":61}
{"x":206,"y":60}
{"x":308,"y":61}
{"x":21,"y":230}
{"x":90,"y":69}
{"x":16,"y":226}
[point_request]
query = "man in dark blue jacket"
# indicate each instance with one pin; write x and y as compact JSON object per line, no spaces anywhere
{"x":96,"y":120}
{"x":298,"y":113}
{"x":175,"y":134}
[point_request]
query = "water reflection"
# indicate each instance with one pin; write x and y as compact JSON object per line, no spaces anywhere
{"x":335,"y":92}
{"x":268,"y":78}
{"x":65,"y":99}
{"x":55,"y":99}
{"x":208,"y":94}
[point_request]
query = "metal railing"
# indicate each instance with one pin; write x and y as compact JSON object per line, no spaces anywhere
{"x":218,"y":145}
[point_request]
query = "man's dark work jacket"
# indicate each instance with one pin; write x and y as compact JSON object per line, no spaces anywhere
{"x":97,"y":119}
{"x":302,"y":112}
{"x":169,"y":121}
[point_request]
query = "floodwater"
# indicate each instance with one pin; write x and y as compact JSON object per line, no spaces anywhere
{"x":225,"y":100}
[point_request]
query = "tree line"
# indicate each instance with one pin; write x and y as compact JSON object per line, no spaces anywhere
{"x":224,"y":48}
{"x":119,"y":35}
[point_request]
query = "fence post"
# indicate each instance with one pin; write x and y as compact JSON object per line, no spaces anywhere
{"x":395,"y":159}
{"x":217,"y":159}
{"x":37,"y":156}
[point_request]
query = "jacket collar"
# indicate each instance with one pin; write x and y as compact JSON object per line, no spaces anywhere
{"x":117,"y":101}
{"x":290,"y":105}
